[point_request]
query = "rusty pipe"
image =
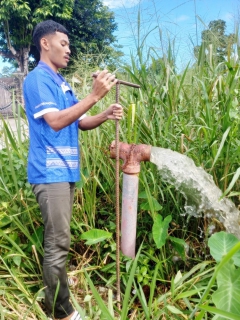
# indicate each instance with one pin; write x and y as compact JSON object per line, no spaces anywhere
{"x":132,"y":155}
{"x":126,"y":83}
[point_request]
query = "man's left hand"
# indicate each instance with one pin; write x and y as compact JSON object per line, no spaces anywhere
{"x":114,"y":112}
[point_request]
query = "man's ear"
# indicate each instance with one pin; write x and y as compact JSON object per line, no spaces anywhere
{"x":44,"y":44}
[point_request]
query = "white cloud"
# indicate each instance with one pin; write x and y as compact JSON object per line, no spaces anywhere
{"x":114,"y":4}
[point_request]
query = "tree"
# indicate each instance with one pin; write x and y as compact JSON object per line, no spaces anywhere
{"x":216,"y":42}
{"x":90,"y":24}
{"x":17,"y":20}
{"x":90,"y":29}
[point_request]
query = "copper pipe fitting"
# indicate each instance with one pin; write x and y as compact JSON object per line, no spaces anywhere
{"x":132,"y":155}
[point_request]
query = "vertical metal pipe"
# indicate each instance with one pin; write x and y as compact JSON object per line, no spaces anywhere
{"x":129,"y":214}
{"x":132,"y":156}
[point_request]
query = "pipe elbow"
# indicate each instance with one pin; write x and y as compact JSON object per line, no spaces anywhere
{"x":132,"y":155}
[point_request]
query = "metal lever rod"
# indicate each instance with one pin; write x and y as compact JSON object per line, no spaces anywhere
{"x":126,"y":83}
{"x":117,"y":205}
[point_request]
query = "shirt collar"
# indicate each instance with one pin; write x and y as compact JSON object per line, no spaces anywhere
{"x":55,"y":75}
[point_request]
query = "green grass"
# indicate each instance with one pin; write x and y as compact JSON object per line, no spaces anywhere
{"x":195,"y":112}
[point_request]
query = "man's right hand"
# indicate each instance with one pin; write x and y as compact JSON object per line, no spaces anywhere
{"x":103,"y":83}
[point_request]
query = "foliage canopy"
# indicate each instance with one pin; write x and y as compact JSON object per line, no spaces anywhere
{"x":17,"y":20}
{"x":215,"y":41}
{"x":90,"y":25}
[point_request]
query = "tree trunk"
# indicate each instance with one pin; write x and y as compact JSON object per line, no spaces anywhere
{"x":20,"y":56}
{"x":23,"y":60}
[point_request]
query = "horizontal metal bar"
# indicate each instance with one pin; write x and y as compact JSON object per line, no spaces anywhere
{"x":126,"y":83}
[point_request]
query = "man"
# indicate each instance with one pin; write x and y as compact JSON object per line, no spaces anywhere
{"x":54,"y":116}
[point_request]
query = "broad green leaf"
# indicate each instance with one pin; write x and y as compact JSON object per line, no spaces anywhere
{"x":221,"y":243}
{"x":227,"y":296}
{"x":143,"y":195}
{"x":179,"y":246}
{"x":156,"y":205}
{"x":160,"y":230}
{"x":95,"y":236}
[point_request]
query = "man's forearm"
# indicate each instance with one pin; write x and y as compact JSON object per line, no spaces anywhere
{"x":61,"y":119}
{"x":91,"y":122}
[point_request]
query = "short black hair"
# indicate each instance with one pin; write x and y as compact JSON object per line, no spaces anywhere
{"x":45,"y":28}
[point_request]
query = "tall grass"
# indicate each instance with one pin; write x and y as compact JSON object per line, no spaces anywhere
{"x":195,"y":112}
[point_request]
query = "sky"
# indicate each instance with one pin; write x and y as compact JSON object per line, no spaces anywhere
{"x":180,"y":21}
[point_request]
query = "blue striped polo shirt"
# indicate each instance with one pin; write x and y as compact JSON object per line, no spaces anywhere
{"x":53,"y":156}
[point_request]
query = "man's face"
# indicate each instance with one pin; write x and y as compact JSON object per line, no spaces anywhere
{"x":58,"y":51}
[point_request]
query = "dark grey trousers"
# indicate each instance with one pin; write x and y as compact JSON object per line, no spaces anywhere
{"x":56,"y":201}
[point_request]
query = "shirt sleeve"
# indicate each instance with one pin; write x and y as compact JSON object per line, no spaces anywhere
{"x":74,"y":100}
{"x":40,"y":94}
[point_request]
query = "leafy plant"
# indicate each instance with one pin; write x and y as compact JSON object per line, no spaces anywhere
{"x":95,"y":236}
{"x":195,"y":112}
{"x":225,"y":248}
